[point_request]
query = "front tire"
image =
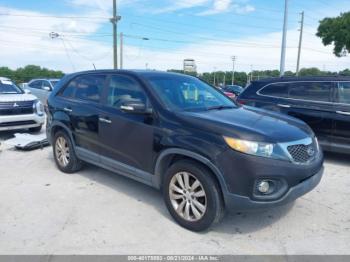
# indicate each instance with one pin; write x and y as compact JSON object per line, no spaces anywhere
{"x":64,"y":154}
{"x":192,"y":195}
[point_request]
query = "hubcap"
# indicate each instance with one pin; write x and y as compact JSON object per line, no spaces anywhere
{"x":187,"y":196}
{"x":62,"y":151}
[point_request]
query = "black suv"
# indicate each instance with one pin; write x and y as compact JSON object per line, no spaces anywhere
{"x":322,"y":102}
{"x":177,"y":133}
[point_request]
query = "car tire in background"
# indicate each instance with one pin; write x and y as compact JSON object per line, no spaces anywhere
{"x":192,"y":195}
{"x":64,"y":154}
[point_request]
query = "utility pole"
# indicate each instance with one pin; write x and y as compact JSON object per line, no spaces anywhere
{"x":300,"y":41}
{"x":224,"y":84}
{"x":214,"y":76}
{"x":233,"y":69}
{"x":284,"y":39}
{"x":114,"y":20}
{"x":121,"y":50}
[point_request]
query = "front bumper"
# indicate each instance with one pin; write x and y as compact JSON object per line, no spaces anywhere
{"x":238,"y":202}
{"x":14,"y":122}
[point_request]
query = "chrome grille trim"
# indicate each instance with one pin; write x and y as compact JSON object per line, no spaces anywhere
{"x":297,"y":150}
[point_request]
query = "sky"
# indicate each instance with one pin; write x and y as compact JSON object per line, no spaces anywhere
{"x":159,"y":34}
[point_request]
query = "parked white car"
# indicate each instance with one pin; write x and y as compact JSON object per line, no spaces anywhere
{"x":41,"y":88}
{"x":18,"y":109}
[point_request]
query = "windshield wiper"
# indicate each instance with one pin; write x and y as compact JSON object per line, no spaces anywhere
{"x":221,"y":107}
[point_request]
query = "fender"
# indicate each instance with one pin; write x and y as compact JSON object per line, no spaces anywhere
{"x":157,"y":178}
{"x":60,"y":124}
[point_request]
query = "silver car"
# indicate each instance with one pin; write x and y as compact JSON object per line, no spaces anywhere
{"x":41,"y":88}
{"x":18,"y":109}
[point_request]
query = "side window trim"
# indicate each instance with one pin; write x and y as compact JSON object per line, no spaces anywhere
{"x":296,"y":99}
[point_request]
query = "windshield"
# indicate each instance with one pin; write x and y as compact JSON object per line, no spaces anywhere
{"x":234,"y":88}
{"x":183,"y":93}
{"x":54,"y":82}
{"x":8,"y":87}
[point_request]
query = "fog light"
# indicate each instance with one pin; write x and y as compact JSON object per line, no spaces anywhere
{"x":264,"y":187}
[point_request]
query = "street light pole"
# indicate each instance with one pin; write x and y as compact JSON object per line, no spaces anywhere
{"x":233,"y":69}
{"x":300,"y":41}
{"x":284,"y":39}
{"x":121,"y":50}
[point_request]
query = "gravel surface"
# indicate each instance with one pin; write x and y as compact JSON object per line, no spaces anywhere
{"x":44,"y":211}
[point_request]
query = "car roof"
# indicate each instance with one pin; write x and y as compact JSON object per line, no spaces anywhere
{"x":138,"y":72}
{"x":304,"y":78}
{"x":4,"y":79}
{"x":48,"y":79}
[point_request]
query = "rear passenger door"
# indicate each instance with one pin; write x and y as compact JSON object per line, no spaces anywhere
{"x":312,"y":102}
{"x":342,"y":118}
{"x":82,"y":97}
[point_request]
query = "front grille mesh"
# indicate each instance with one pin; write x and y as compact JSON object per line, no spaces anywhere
{"x":302,"y":153}
{"x":21,"y":108}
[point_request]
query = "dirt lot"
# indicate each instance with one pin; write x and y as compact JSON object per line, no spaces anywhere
{"x":43,"y":211}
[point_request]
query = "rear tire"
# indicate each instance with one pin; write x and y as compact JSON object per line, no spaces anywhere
{"x":192,"y":195}
{"x":64,"y":154}
{"x":35,"y":129}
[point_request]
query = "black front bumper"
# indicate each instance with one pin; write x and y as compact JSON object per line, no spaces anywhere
{"x":239,"y":202}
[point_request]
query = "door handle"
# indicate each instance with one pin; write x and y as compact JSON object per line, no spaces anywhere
{"x":283,"y":105}
{"x":343,"y":113}
{"x":67,"y":109}
{"x":104,"y":120}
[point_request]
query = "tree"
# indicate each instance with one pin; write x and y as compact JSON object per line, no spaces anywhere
{"x":336,"y":31}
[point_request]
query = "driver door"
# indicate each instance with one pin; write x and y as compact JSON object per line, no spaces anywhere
{"x":126,"y":138}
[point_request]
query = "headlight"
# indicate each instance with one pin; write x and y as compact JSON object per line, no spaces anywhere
{"x":256,"y":148}
{"x":38,"y":108}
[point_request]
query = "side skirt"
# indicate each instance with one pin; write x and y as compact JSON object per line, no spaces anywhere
{"x":114,"y":166}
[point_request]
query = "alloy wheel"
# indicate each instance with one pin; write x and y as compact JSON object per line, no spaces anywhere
{"x":62,"y":151}
{"x":187,"y":196}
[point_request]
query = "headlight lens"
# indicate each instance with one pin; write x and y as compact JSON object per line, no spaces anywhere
{"x":38,"y":108}
{"x":257,"y":148}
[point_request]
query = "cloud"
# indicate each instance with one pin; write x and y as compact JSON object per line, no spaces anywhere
{"x":224,"y":6}
{"x":25,"y":43}
{"x":179,"y":5}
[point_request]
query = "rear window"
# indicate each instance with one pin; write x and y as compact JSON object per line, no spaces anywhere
{"x":344,"y":92}
{"x":87,"y":87}
{"x":277,"y":89}
{"x":313,"y":91}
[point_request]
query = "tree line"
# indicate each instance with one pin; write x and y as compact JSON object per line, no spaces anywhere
{"x":25,"y":74}
{"x":242,"y":78}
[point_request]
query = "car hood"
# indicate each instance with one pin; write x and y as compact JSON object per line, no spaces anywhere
{"x":249,"y":123}
{"x":16,"y":97}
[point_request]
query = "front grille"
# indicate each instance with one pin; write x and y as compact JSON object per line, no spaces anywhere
{"x":302,"y":153}
{"x":17,"y":123}
{"x":16,"y":108}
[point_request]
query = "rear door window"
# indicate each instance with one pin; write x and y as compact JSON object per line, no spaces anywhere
{"x":276,"y":90}
{"x":87,"y":87}
{"x":344,"y":93}
{"x":311,"y":91}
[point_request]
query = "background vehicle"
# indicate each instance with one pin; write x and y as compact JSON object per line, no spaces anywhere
{"x":235,"y":89}
{"x":41,"y":88}
{"x":181,"y":135}
{"x":322,"y":102}
{"x":19,"y":110}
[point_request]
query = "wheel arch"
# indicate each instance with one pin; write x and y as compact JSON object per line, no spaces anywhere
{"x":169,"y":156}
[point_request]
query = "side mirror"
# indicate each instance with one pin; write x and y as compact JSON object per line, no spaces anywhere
{"x":46,"y":88}
{"x":135,"y":107}
{"x":27,"y":91}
